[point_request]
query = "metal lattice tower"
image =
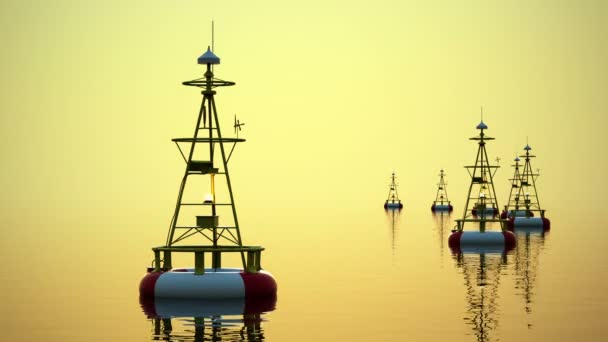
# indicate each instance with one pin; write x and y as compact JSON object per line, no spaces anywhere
{"x":481,"y":199}
{"x":527,"y":190}
{"x":442,"y":191}
{"x":514,"y":202}
{"x":196,"y":216}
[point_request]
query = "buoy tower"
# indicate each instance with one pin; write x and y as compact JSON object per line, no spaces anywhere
{"x":482,"y":184}
{"x":196,"y":226}
{"x":483,"y":210}
{"x":514,"y":203}
{"x":442,"y":202}
{"x":525,"y":198}
{"x":393,"y":201}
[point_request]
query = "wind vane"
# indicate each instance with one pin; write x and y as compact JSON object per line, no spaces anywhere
{"x":237,"y":126}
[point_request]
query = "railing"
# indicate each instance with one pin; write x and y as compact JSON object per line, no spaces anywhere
{"x":252,"y":264}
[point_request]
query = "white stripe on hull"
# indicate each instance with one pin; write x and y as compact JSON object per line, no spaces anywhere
{"x":221,"y":284}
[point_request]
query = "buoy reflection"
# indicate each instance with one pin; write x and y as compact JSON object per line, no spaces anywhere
{"x":207,"y":320}
{"x":481,"y":272}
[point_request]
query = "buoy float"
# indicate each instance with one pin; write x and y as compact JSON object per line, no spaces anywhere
{"x":442,"y":207}
{"x":215,"y":282}
{"x":475,"y":242}
{"x":528,"y":222}
{"x":393,"y":201}
{"x":393,"y":205}
{"x":441,"y":203}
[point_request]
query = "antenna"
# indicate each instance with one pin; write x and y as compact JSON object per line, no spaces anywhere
{"x":481,"y":113}
{"x":212,"y":39}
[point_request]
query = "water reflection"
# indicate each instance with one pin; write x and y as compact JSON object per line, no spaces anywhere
{"x":530,"y":243}
{"x":481,"y":273}
{"x":442,"y":224}
{"x":207,"y":320}
{"x":393,"y":215}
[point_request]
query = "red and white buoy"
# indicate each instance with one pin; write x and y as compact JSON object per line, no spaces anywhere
{"x":474,"y":241}
{"x":209,"y":236}
{"x":214,"y":283}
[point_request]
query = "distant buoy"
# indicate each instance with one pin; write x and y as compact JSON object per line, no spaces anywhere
{"x":393,"y":205}
{"x":441,"y":203}
{"x":214,"y":284}
{"x":524,"y":205}
{"x":442,"y":207}
{"x":472,"y":241}
{"x":393,"y":201}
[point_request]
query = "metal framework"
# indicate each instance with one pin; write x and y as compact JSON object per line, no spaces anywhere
{"x":514,"y":202}
{"x":523,"y":195}
{"x":204,"y":159}
{"x":481,"y":199}
{"x":442,"y":191}
{"x":527,"y":189}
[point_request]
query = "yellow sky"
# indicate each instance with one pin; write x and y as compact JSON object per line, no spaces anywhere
{"x":335,"y":95}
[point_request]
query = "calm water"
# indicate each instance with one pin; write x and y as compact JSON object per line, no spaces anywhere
{"x":347,"y":273}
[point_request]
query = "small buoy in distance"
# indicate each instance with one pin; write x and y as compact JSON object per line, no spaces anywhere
{"x":442,"y":207}
{"x":393,"y":205}
{"x":393,"y":201}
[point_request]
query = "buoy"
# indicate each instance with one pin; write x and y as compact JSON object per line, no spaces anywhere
{"x":524,"y":204}
{"x":484,"y":209}
{"x":393,"y":201}
{"x":208,"y":236}
{"x":441,"y":203}
{"x":442,"y":207}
